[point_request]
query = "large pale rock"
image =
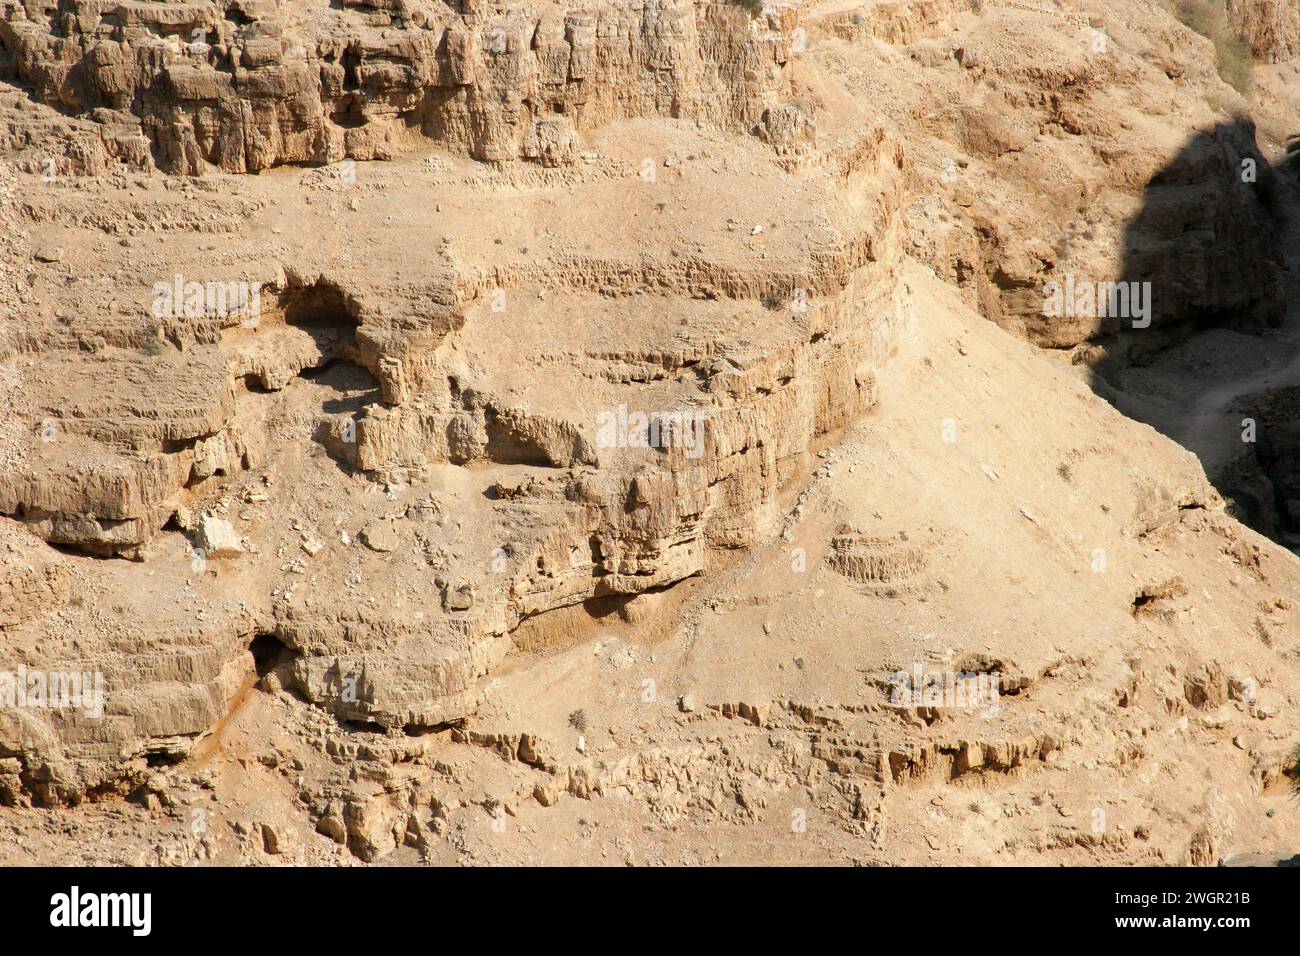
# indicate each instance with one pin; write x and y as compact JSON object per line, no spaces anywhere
{"x":217,"y":539}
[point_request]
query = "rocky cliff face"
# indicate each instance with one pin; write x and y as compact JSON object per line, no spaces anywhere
{"x":253,"y":85}
{"x":1271,"y":27}
{"x":1096,"y":183}
{"x":437,"y":379}
{"x":578,"y":357}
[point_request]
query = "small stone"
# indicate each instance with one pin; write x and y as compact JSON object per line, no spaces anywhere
{"x":458,"y":598}
{"x":687,"y":703}
{"x":380,"y":536}
{"x":49,"y":254}
{"x":415,"y":834}
{"x":274,"y":841}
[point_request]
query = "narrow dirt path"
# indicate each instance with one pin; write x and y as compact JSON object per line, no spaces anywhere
{"x":1282,"y":368}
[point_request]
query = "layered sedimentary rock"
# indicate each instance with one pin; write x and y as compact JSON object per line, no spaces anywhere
{"x":595,"y":352}
{"x":166,"y":419}
{"x":246,"y":86}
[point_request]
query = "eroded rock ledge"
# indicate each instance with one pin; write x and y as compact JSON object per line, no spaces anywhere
{"x":244,"y":86}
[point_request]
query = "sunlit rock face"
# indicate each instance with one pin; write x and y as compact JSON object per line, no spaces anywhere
{"x":417,"y":416}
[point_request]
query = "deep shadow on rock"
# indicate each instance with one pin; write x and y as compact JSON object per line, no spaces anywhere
{"x":1207,"y":260}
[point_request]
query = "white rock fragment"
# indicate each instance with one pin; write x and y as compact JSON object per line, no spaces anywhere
{"x":217,"y":539}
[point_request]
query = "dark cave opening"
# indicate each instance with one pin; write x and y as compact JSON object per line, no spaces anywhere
{"x":269,"y":652}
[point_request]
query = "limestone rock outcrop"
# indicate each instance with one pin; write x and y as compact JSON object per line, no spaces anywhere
{"x":672,"y":380}
{"x":242,"y":87}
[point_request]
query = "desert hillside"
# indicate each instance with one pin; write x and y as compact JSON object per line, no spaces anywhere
{"x":649,"y":431}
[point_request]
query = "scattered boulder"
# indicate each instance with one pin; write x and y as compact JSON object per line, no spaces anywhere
{"x":380,"y":536}
{"x":458,"y":597}
{"x":372,"y":828}
{"x":275,"y":840}
{"x":217,"y":539}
